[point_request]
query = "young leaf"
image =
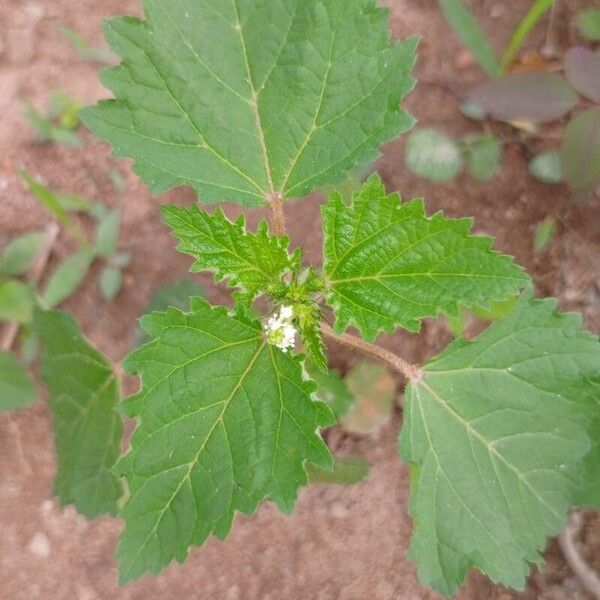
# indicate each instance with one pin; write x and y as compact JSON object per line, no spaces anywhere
{"x":346,"y":471}
{"x":252,"y":262}
{"x":308,"y":317}
{"x":466,"y":26}
{"x":110,"y":282}
{"x":225,"y":420}
{"x":530,"y":97}
{"x":331,"y":389}
{"x":16,"y":301}
{"x":497,"y":431}
{"x":582,"y":69}
{"x":483,"y":156}
{"x":67,"y":277}
{"x":107,"y":235}
{"x":84,"y":393}
{"x":245,"y":100}
{"x":20,"y":254}
{"x":588,"y":22}
{"x":547,"y":167}
{"x":17,"y":390}
{"x":387,"y":264}
{"x":580,"y":153}
{"x":433,"y":155}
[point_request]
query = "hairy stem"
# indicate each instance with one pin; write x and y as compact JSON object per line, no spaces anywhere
{"x":407,"y":369}
{"x":277,"y":215}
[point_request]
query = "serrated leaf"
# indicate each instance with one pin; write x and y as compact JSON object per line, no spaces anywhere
{"x":580,"y":153}
{"x":84,"y":394}
{"x":588,"y":22}
{"x":17,"y":389}
{"x":582,"y":69}
{"x":529,"y":97}
{"x":374,"y":391}
{"x":21,"y":253}
{"x":483,"y":156}
{"x":16,"y":301}
{"x":67,"y":277}
{"x":547,"y":167}
{"x":433,"y":155}
{"x":242,"y":99}
{"x":107,"y":235}
{"x":388,"y":264}
{"x":331,"y":389}
{"x":347,"y":470}
{"x":497,"y":431}
{"x":468,"y":29}
{"x":225,"y":420}
{"x":308,"y":316}
{"x":253,"y":262}
{"x":110,"y":282}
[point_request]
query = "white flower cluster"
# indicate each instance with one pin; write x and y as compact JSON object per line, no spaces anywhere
{"x":280,"y":329}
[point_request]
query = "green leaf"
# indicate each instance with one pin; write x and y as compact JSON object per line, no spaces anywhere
{"x":547,"y":167}
{"x":331,"y":389}
{"x":529,"y":97}
{"x":107,"y":235}
{"x":110,"y":282}
{"x":17,"y":390}
{"x":21,"y":253}
{"x":532,"y":17}
{"x":84,"y":394}
{"x":308,"y":317}
{"x":433,"y":155}
{"x":225,"y":420}
{"x":544,"y":234}
{"x":374,"y":391}
{"x":346,"y":471}
{"x":580,"y":153}
{"x":468,"y":29}
{"x":588,"y":22}
{"x":483,"y":156}
{"x":253,"y":262}
{"x":242,"y":100}
{"x":497,"y":431}
{"x":67,"y":277}
{"x":16,"y":301}
{"x":387,"y":264}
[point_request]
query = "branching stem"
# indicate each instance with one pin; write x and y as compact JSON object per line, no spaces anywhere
{"x":407,"y":369}
{"x":410,"y":371}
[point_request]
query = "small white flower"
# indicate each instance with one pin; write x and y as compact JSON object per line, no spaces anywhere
{"x":280,"y":330}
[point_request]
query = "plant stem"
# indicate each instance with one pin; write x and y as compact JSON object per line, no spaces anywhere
{"x":407,"y":369}
{"x":275,"y":201}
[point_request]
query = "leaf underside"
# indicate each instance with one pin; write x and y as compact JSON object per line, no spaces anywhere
{"x":251,"y":261}
{"x":225,"y":420}
{"x":498,"y":432}
{"x":388,"y":264}
{"x":243,"y":98}
{"x":84,"y":394}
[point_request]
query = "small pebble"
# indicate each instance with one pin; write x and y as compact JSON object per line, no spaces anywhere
{"x":40,"y":545}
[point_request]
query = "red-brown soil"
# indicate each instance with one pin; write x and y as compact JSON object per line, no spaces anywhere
{"x":340,"y":543}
